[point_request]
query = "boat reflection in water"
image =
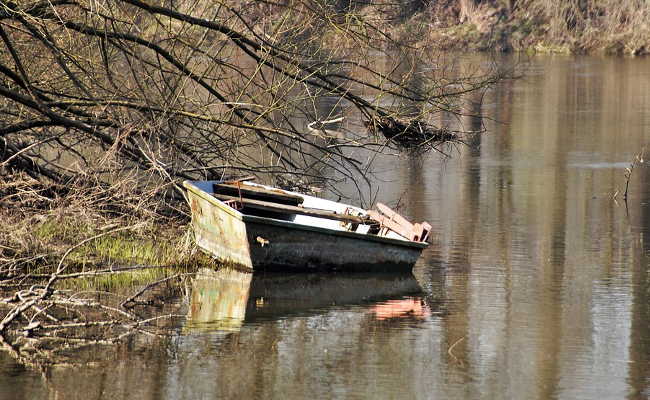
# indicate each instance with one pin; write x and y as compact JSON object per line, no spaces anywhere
{"x":218,"y":300}
{"x":410,"y":307}
{"x":223,"y":300}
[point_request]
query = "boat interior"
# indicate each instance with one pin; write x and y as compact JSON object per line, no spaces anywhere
{"x":254,"y":199}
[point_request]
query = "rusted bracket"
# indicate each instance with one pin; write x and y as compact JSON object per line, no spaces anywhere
{"x":237,"y":205}
{"x":241,"y":199}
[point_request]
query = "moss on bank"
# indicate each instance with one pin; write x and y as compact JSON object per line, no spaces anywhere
{"x":37,"y":242}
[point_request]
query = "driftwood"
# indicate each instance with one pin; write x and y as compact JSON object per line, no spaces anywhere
{"x":408,"y":134}
{"x":87,"y":274}
{"x":127,"y":303}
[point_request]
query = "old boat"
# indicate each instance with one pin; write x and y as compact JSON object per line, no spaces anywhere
{"x":261,"y":227}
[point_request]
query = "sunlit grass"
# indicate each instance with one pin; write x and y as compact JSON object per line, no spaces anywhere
{"x":148,"y":244}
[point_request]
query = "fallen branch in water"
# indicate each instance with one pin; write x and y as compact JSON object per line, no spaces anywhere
{"x":410,"y":134}
{"x":106,"y":271}
{"x":451,"y":349}
{"x":38,"y":294}
{"x":42,"y":323}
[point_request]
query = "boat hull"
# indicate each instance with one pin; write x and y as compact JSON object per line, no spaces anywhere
{"x":294,"y":247}
{"x":260,"y":243}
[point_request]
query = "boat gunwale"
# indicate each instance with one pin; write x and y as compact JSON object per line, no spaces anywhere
{"x":294,"y":225}
{"x":213,"y":200}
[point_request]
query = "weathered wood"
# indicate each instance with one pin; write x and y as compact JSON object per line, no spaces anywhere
{"x":242,"y":179}
{"x":393,"y":215}
{"x":386,"y":222}
{"x":418,"y":232}
{"x":257,"y":193}
{"x":288,"y":209}
{"x":423,"y":232}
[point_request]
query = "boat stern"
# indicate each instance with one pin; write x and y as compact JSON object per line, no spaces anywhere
{"x":218,"y":229}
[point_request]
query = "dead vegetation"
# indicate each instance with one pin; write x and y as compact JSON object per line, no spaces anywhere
{"x":542,"y":26}
{"x":76,"y":270}
{"x":411,"y":134}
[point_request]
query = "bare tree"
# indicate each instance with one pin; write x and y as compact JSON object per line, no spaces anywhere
{"x":202,"y":89}
{"x":118,"y":100}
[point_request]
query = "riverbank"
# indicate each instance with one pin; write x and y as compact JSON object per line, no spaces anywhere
{"x":592,"y":27}
{"x":84,"y":232}
{"x":76,"y":272}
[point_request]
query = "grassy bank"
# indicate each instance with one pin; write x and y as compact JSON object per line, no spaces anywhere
{"x":78,"y":235}
{"x":36,"y":241}
{"x":86,"y":268}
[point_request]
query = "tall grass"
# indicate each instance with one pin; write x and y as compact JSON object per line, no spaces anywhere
{"x":610,"y":26}
{"x":571,"y":26}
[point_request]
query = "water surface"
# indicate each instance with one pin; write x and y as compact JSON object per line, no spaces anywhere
{"x":535,"y":287}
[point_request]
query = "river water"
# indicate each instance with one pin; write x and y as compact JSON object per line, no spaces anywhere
{"x":536,"y":285}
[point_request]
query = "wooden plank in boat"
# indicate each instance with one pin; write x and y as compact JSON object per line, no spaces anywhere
{"x":257,"y":193}
{"x":424,"y":233}
{"x":418,"y":232}
{"x":282,"y":208}
{"x":391,"y":224}
{"x":394,"y":216}
{"x":241,"y":179}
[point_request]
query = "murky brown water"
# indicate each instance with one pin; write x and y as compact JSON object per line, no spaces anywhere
{"x":537,"y":285}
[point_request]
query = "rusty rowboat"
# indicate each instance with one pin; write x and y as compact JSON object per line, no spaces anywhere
{"x":264,"y":228}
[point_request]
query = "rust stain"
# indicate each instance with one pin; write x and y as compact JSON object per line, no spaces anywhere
{"x":196,"y":207}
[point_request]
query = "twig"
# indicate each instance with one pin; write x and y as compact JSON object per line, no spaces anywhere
{"x":42,"y":311}
{"x":102,"y":271}
{"x":80,"y":324}
{"x":451,"y":349}
{"x":80,"y":303}
{"x":149,"y":286}
{"x":638,"y":159}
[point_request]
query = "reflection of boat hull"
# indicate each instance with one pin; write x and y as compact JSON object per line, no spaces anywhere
{"x":223,"y":300}
{"x":274,"y":294}
{"x":260,"y":242}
